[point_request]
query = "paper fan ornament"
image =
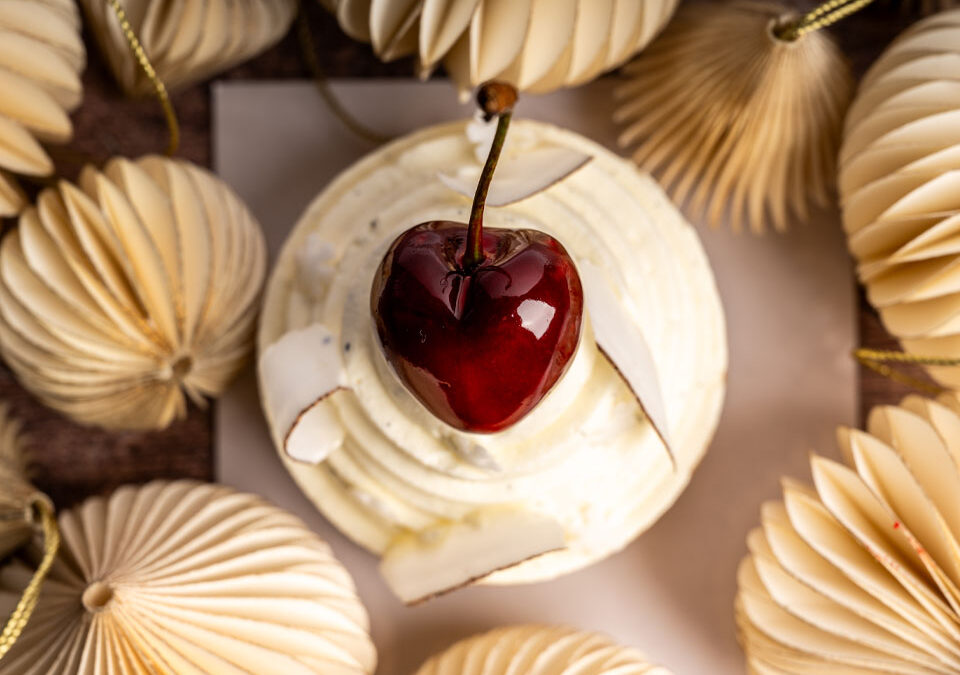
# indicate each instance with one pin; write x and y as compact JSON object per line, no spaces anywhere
{"x":41,"y":58}
{"x":900,"y":188}
{"x":539,"y":650}
{"x":121,"y":298}
{"x":17,"y":495}
{"x":737,"y":116}
{"x":861,"y":573}
{"x":186,"y":41}
{"x":537,"y":45}
{"x":189,"y":578}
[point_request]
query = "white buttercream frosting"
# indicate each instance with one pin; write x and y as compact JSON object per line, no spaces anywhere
{"x":539,"y":650}
{"x":586,"y":456}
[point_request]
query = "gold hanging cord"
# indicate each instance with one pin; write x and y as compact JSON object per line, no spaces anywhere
{"x":879,"y":361}
{"x":825,"y":15}
{"x":309,"y":51}
{"x":161,"y":90}
{"x":28,"y":601}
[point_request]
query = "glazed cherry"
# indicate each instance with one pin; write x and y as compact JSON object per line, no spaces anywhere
{"x":479,"y":347}
{"x":479,"y":324}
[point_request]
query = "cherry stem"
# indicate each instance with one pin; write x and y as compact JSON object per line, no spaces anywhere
{"x":503,"y":108}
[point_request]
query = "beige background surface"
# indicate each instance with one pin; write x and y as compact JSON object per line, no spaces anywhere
{"x":791,"y":320}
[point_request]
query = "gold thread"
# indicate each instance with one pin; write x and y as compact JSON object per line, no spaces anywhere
{"x":309,"y":51}
{"x":822,"y":16}
{"x":31,"y":595}
{"x":878,"y":360}
{"x":161,"y":90}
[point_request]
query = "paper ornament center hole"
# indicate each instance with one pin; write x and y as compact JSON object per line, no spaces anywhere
{"x":97,"y":596}
{"x":181,"y":367}
{"x":777,"y":29}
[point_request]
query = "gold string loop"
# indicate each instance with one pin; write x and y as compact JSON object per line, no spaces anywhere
{"x":879,"y":361}
{"x":309,"y":51}
{"x":822,"y":16}
{"x":161,"y":90}
{"x":31,"y":595}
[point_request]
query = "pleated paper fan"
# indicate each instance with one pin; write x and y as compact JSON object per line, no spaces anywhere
{"x":860,"y":574}
{"x":900,"y":188}
{"x":187,"y":40}
{"x":17,"y":494}
{"x":738,"y":123}
{"x":41,"y":58}
{"x":122,"y":297}
{"x":539,"y":650}
{"x":537,"y":45}
{"x":186,"y":578}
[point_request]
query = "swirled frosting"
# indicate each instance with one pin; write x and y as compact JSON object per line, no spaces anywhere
{"x":586,"y":457}
{"x":539,"y":650}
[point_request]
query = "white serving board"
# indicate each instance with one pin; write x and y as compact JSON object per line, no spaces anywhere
{"x":790,"y":306}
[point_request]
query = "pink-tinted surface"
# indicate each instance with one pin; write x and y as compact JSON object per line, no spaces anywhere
{"x":478,"y":347}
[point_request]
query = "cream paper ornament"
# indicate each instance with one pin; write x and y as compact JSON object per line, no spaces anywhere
{"x":861,"y":573}
{"x":737,"y":122}
{"x":537,"y":45}
{"x":124,"y":296}
{"x":17,"y":495}
{"x":900,"y":188}
{"x":539,"y":650}
{"x":187,"y":578}
{"x":41,"y":58}
{"x":186,"y":40}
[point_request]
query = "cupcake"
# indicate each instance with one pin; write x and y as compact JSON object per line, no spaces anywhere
{"x":539,"y":650}
{"x":603,"y":450}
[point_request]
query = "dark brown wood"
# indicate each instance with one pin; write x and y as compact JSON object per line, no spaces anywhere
{"x":72,"y":461}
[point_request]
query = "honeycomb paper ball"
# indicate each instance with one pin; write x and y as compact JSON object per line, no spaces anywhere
{"x":538,"y":45}
{"x":122,"y":297}
{"x":187,"y":578}
{"x":41,"y":58}
{"x":737,"y":123}
{"x":17,"y":494}
{"x":860,"y":574}
{"x":187,"y":40}
{"x":900,"y":188}
{"x":539,"y":650}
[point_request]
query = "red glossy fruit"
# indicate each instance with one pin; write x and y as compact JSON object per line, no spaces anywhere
{"x":478,"y":345}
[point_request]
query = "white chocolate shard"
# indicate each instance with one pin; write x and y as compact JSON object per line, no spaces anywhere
{"x":622,"y":343}
{"x":520,"y":176}
{"x":297,"y":374}
{"x":420,"y":565}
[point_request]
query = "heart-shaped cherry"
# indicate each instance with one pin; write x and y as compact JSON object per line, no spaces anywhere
{"x":478,"y":324}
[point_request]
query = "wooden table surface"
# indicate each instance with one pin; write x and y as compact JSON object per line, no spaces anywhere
{"x":72,"y":462}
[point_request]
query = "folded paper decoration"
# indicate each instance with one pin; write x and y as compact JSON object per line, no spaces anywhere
{"x":900,"y":188}
{"x":188,"y":578}
{"x":860,"y":574}
{"x":122,"y":297}
{"x":41,"y":58}
{"x":186,"y":40}
{"x":538,"y":45}
{"x":539,"y":650}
